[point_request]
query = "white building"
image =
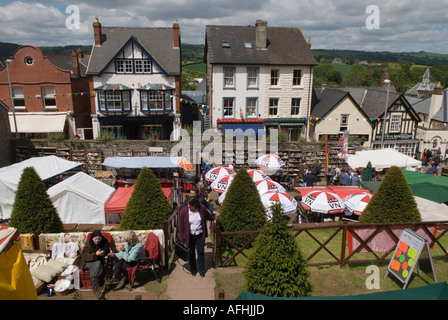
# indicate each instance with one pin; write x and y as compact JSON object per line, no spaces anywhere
{"x":137,"y":81}
{"x":259,"y":77}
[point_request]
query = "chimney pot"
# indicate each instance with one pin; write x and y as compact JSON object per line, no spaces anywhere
{"x":97,"y":32}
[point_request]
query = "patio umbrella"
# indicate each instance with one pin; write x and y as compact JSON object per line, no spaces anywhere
{"x":258,"y":175}
{"x":357,"y":203}
{"x":185,"y":164}
{"x":218,"y":172}
{"x":367,"y":176}
{"x":270,"y":163}
{"x":288,"y":203}
{"x":222,"y":184}
{"x":323,"y":202}
{"x":269,"y":185}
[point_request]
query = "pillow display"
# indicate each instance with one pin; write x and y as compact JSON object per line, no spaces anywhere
{"x":45,"y":272}
{"x":58,"y":265}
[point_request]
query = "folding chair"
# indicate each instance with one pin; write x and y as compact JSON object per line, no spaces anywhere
{"x":84,"y":275}
{"x":153,"y":256}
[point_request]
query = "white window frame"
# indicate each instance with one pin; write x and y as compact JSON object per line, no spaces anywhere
{"x":228,"y":109}
{"x":343,"y":122}
{"x":19,"y":98}
{"x":273,"y":106}
{"x":275,"y":78}
{"x":229,"y":77}
{"x":142,"y":66}
{"x":295,"y":106}
{"x":251,"y":110}
{"x":395,"y":123}
{"x":49,"y":95}
{"x":297,"y":79}
{"x":252,"y":78}
{"x":124,"y":66}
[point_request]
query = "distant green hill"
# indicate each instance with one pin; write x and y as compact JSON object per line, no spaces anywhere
{"x":194,"y":53}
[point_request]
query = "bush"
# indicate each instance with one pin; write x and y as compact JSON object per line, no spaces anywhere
{"x":148,"y":206}
{"x":242,"y":209}
{"x":392,"y":201}
{"x":276,"y":266}
{"x":33,"y":210}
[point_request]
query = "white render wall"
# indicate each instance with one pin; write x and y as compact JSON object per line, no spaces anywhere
{"x":285,"y":91}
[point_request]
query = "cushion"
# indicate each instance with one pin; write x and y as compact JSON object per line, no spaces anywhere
{"x":58,"y":265}
{"x":45,"y":272}
{"x":36,"y":282}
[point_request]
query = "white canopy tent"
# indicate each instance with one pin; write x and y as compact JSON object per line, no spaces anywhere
{"x":382,"y":159}
{"x":81,"y":199}
{"x":141,"y":162}
{"x":46,"y":167}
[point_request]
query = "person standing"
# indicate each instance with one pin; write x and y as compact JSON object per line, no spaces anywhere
{"x":329,"y":173}
{"x":310,"y":179}
{"x":344,"y":179}
{"x":193,"y":232}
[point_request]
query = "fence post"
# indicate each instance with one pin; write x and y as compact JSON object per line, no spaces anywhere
{"x":343,"y":244}
{"x":217,"y":237}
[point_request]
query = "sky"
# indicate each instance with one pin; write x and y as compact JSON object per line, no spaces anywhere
{"x":372,"y":25}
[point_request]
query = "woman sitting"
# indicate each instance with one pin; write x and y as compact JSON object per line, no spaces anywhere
{"x":92,"y":257}
{"x":127,"y":257}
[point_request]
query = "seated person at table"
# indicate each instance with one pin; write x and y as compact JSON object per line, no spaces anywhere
{"x":92,"y":257}
{"x":194,"y":192}
{"x":127,"y":257}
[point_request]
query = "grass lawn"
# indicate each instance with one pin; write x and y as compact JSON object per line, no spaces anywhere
{"x":333,"y":280}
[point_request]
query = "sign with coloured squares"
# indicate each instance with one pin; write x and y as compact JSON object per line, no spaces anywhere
{"x":407,"y":254}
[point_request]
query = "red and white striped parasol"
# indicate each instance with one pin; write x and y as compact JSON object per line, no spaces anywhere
{"x":323,"y":202}
{"x":357,"y":203}
{"x":288,"y":203}
{"x":218,"y":172}
{"x":221,"y":184}
{"x":269,"y":185}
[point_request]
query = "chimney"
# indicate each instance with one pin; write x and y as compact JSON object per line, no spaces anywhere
{"x":75,"y":63}
{"x":261,"y":31}
{"x":97,"y":31}
{"x":308,"y":42}
{"x":176,"y":34}
{"x":384,"y":76}
{"x":438,"y":89}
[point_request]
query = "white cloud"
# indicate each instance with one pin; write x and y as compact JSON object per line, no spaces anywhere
{"x":405,"y":25}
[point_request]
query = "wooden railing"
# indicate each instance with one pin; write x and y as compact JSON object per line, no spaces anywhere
{"x":170,"y":231}
{"x":346,"y":230}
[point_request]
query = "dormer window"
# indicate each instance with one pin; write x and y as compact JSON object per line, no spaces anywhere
{"x":225,"y":44}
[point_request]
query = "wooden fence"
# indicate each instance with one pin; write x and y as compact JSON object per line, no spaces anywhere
{"x":351,"y":241}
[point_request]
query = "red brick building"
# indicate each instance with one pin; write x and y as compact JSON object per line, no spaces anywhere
{"x":50,"y":92}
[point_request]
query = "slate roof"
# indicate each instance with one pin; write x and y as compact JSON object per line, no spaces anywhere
{"x":442,"y":114}
{"x":157,"y":42}
{"x":372,"y":100}
{"x":324,"y":100}
{"x":64,"y":61}
{"x":285,"y":46}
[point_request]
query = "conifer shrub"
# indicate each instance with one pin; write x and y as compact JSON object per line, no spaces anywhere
{"x":148,"y":206}
{"x":276,"y":266}
{"x":242,"y":209}
{"x":32,"y":209}
{"x":392,"y":201}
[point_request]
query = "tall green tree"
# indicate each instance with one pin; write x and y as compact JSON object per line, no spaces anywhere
{"x":392,"y":201}
{"x":242,"y":209}
{"x":276,"y":267}
{"x":33,"y":210}
{"x":148,"y":206}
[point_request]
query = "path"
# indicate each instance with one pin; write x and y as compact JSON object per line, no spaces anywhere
{"x":181,"y":285}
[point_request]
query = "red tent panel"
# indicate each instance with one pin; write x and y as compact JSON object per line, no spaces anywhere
{"x":121,"y":196}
